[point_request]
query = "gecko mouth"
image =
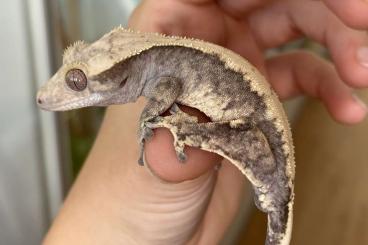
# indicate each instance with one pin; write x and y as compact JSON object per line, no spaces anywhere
{"x":62,"y":106}
{"x":68,"y":105}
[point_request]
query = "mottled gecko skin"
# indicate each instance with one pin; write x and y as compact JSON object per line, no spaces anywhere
{"x":249,"y":127}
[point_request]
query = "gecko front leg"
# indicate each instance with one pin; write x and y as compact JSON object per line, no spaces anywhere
{"x":160,"y":98}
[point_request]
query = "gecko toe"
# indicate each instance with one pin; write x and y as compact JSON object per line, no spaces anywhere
{"x":146,"y":134}
{"x":182,"y":157}
{"x":141,"y":154}
{"x":141,"y":161}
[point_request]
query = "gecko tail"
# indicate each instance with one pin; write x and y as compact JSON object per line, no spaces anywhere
{"x":279,"y":193}
{"x":277,"y":233}
{"x":280,"y":223}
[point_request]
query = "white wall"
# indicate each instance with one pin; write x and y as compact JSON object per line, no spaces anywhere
{"x":23,"y":215}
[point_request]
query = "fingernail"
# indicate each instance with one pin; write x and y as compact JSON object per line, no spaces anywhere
{"x":363,"y":56}
{"x":361,"y":103}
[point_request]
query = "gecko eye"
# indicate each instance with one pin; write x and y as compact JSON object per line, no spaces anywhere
{"x":76,"y":80}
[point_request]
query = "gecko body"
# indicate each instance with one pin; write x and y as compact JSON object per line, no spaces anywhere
{"x":248,"y":125}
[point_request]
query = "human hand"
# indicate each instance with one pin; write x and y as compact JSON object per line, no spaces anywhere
{"x":251,"y":27}
{"x":133,"y":207}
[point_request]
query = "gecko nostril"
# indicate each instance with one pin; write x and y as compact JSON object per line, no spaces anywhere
{"x":39,"y":101}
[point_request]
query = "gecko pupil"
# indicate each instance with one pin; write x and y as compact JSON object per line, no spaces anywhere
{"x":76,"y":80}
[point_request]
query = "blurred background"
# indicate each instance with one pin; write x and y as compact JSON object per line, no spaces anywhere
{"x":42,"y":152}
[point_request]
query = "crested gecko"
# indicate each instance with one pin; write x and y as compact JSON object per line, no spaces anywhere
{"x":248,"y":125}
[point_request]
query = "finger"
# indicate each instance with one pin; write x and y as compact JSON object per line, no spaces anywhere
{"x":163,"y":162}
{"x":297,"y":73}
{"x":239,"y":34}
{"x":179,"y":18}
{"x":240,"y":8}
{"x":293,"y":18}
{"x":353,"y":13}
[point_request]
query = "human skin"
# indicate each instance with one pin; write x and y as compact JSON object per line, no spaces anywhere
{"x":115,"y":201}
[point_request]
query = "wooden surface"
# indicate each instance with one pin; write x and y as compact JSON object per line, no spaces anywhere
{"x":331,"y":189}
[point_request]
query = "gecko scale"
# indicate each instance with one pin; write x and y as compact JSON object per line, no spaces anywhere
{"x":248,"y":125}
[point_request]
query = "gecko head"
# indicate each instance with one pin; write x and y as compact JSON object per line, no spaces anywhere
{"x":88,"y":77}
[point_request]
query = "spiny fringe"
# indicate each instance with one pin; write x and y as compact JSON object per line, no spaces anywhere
{"x":76,"y":44}
{"x":128,"y":30}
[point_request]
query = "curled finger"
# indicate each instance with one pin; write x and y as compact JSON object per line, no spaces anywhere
{"x":296,"y":73}
{"x":292,"y":19}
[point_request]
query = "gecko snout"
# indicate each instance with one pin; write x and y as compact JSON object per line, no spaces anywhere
{"x":41,"y":100}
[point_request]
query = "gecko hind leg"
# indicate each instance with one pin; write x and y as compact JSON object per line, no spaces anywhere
{"x":146,"y":131}
{"x":178,"y":144}
{"x":177,"y":117}
{"x":241,"y":142}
